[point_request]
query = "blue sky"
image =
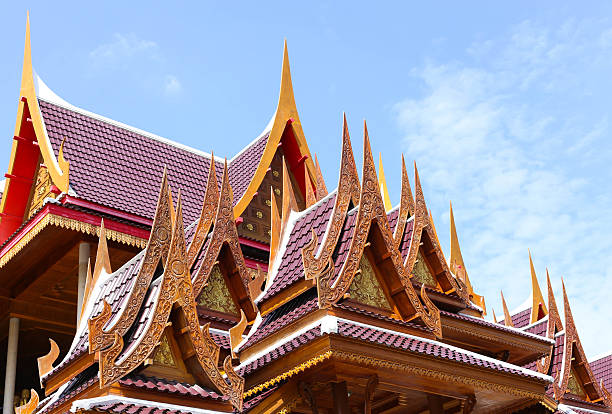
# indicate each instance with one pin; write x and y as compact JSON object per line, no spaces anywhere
{"x":504,"y":106}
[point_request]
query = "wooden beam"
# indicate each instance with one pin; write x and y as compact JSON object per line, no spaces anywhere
{"x":340,"y":394}
{"x":436,"y":404}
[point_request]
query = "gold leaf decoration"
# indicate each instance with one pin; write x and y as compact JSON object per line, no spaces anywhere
{"x":216,"y":296}
{"x":366,"y":288}
{"x":421,"y":271}
{"x":163,"y":354}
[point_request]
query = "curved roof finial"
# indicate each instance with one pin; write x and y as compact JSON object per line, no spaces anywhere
{"x":538,"y":306}
{"x":507,"y":318}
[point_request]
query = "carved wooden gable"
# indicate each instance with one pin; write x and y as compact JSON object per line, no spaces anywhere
{"x":576,"y":377}
{"x":372,"y":231}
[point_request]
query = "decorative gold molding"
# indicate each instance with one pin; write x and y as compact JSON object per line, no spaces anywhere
{"x":364,"y":360}
{"x":70,"y":224}
{"x":156,"y":252}
{"x":290,"y":373}
{"x":348,"y":191}
{"x":45,"y":362}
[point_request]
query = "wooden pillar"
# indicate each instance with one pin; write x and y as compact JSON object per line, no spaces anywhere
{"x":436,"y":405}
{"x":11,"y":366}
{"x":84,"y":254}
{"x":340,"y":393}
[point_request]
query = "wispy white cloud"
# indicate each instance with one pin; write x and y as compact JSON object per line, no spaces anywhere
{"x":142,"y":58}
{"x":513,"y":134}
{"x":172,"y":85}
{"x":122,"y":47}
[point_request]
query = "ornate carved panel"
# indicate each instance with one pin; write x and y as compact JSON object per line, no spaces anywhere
{"x":163,"y":355}
{"x":366,"y":288}
{"x":215,"y":295}
{"x":421,"y":272}
{"x":41,"y":189}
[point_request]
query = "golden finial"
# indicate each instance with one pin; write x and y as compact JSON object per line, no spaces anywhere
{"x":45,"y":362}
{"x":457,"y":265}
{"x":494,"y":317}
{"x":235,"y":333}
{"x":507,"y":318}
{"x":102,"y":257}
{"x":538,"y":303}
{"x":30,"y":406}
{"x":383,"y":184}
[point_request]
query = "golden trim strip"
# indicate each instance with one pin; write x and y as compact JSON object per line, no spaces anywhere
{"x":70,"y":224}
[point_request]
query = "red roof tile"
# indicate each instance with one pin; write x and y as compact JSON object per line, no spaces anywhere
{"x":170,"y":386}
{"x":132,"y":408}
{"x":538,"y":328}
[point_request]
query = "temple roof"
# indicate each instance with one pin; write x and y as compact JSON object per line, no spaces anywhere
{"x":119,"y":167}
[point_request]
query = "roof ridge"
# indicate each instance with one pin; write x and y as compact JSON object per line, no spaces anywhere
{"x":46,"y":94}
{"x":600,"y":356}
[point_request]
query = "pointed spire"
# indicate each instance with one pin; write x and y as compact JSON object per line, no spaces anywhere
{"x":102,"y":258}
{"x":406,"y":208}
{"x":57,"y":167}
{"x":494,"y":317}
{"x":310,"y":193}
{"x":383,"y":184}
{"x":321,"y":188}
{"x":347,"y":163}
{"x":457,"y":265}
{"x":554,"y":319}
{"x":507,"y":318}
{"x":286,"y":90}
{"x":433,"y":226}
{"x":569,"y":318}
{"x":538,"y":300}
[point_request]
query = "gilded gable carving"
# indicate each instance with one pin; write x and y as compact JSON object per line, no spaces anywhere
{"x":216,"y":296}
{"x":366,"y":288}
{"x":162,"y":355}
{"x":421,"y":272}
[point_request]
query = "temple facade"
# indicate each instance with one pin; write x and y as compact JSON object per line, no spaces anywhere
{"x":138,"y":275}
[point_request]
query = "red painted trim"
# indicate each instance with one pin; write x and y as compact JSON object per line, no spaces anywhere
{"x":107,"y":210}
{"x":25,"y":230}
{"x":253,"y":243}
{"x":252,"y":264}
{"x":17,"y":178}
{"x":75,"y":215}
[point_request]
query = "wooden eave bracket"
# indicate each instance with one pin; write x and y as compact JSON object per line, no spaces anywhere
{"x":30,"y":406}
{"x":45,"y":362}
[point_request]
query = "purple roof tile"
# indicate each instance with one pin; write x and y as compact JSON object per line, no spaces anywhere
{"x":602,"y":369}
{"x":291,"y":268}
{"x":120,"y":168}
